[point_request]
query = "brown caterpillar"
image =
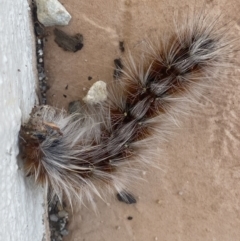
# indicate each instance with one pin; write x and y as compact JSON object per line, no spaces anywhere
{"x":103,"y":147}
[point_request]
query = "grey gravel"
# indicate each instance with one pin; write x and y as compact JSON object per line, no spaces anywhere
{"x":53,"y":217}
{"x":40,"y":33}
{"x":57,"y":211}
{"x":62,"y":214}
{"x":64,"y":232}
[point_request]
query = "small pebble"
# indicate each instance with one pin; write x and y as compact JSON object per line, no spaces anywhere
{"x":180,"y":193}
{"x":64,"y":232}
{"x":40,"y":52}
{"x":62,"y":214}
{"x":51,"y":13}
{"x":62,"y":226}
{"x":97,"y":93}
{"x":126,"y":197}
{"x":129,"y":217}
{"x":53,"y":217}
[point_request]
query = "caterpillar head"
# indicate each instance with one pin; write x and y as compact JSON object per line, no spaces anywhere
{"x":32,"y":136}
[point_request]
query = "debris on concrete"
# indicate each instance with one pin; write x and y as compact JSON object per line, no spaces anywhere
{"x":52,"y":13}
{"x":58,"y":219}
{"x":67,"y":42}
{"x":40,"y":33}
{"x":126,"y":197}
{"x":97,"y":93}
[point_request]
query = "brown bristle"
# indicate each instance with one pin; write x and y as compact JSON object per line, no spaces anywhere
{"x":102,"y":144}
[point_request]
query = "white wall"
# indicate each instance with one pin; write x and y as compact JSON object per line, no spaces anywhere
{"x":21,"y":209}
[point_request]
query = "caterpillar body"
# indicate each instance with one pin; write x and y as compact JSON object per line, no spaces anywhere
{"x":104,"y":146}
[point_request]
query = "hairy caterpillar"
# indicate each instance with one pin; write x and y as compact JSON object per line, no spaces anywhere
{"x":103,"y":146}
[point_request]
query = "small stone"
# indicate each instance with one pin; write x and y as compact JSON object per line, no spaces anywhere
{"x":62,"y":226}
{"x":40,"y":52}
{"x":180,"y":193}
{"x":64,"y":232}
{"x":126,"y":197}
{"x":62,"y":214}
{"x":51,"y":13}
{"x":97,"y":93}
{"x":129,"y":217}
{"x":53,"y":217}
{"x":39,"y":29}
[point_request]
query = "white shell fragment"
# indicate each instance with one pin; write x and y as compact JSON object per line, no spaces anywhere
{"x":97,"y":93}
{"x":52,"y":12}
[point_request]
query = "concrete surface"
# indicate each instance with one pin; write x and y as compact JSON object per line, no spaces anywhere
{"x":197,"y":195}
{"x":21,"y":205}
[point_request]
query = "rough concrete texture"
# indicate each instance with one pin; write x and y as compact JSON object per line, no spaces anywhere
{"x":21,"y":205}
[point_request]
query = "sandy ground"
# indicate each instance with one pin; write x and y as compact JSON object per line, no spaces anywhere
{"x":197,"y":194}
